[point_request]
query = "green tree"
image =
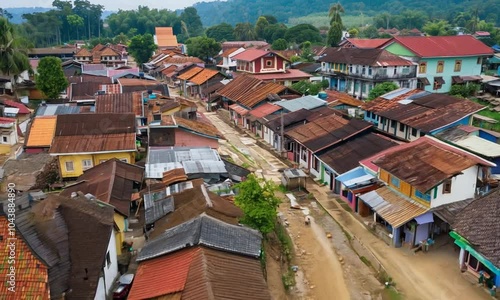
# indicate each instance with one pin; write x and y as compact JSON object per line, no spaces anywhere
{"x":280,"y":44}
{"x":382,"y":88}
{"x":244,"y":32}
{"x":274,"y":32}
{"x":122,"y":38}
{"x":203,"y":47}
{"x":334,"y":13}
{"x":5,"y":14}
{"x":260,"y":27}
{"x":192,"y":22}
{"x":50,"y":79}
{"x":334,"y":34}
{"x":257,"y":199}
{"x":307,"y":54}
{"x":13,"y":51}
{"x":221,"y":32}
{"x":302,"y":33}
{"x":142,"y":47}
{"x":440,"y":27}
{"x":368,"y":32}
{"x":76,"y":22}
{"x":270,"y":19}
{"x":353,"y":32}
{"x":308,"y":88}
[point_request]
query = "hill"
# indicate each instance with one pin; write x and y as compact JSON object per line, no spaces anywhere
{"x":18,"y":12}
{"x":236,"y":11}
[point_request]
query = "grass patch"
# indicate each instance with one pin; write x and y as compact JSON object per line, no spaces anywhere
{"x":391,"y":294}
{"x":288,"y":279}
{"x":346,"y":207}
{"x":487,"y":113}
{"x":285,"y":241}
{"x":282,"y":189}
{"x":366,"y":261}
{"x":244,"y":154}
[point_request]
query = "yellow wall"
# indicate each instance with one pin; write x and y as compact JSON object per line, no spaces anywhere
{"x":96,"y":159}
{"x":119,"y":235}
{"x":5,"y":149}
{"x":421,"y":201}
{"x":384,"y":176}
{"x":172,"y":111}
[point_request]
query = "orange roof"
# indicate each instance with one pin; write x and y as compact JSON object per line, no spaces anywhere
{"x":42,"y":131}
{"x":203,"y":76}
{"x":228,"y":52}
{"x":32,"y":276}
{"x":190,"y":73}
{"x":334,"y":97}
{"x":109,"y":52}
{"x":83,"y":53}
{"x":136,"y":82}
{"x":163,"y":275}
{"x":165,"y":37}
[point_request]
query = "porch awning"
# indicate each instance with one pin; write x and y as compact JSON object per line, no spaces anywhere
{"x":439,"y":80}
{"x":355,"y":176}
{"x":393,"y":208}
{"x":238,"y":109}
{"x":462,"y":79}
{"x":424,"y":81}
{"x":456,"y":79}
{"x":428,"y":217}
{"x":464,"y":244}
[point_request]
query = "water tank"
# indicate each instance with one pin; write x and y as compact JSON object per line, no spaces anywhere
{"x":322,"y":95}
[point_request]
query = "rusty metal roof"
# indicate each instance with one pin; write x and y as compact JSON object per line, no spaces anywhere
{"x":346,"y":156}
{"x":190,"y":73}
{"x":89,"y":133}
{"x":427,"y":162}
{"x":119,"y":103}
{"x":332,"y":137}
{"x":422,"y":110}
{"x":264,"y":110}
{"x":238,"y":109}
{"x":203,"y":76}
{"x":397,"y":210}
{"x":338,"y":98}
{"x":204,"y":128}
{"x":365,"y":57}
{"x":316,"y":128}
{"x":298,"y":117}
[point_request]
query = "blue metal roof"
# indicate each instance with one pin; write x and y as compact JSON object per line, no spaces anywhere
{"x":306,"y":102}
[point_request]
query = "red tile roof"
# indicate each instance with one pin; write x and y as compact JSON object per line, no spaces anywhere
{"x":4,"y":120}
{"x":289,"y":74}
{"x":252,"y":54}
{"x":163,"y":275}
{"x":31,"y":275}
{"x":367,"y":43}
{"x":22,"y":108}
{"x":443,"y":46}
{"x":264,"y":110}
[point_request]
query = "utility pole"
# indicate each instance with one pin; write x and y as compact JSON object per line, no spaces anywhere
{"x":282,"y":133}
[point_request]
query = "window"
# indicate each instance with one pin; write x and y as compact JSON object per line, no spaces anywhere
{"x":69,"y":166}
{"x":395,"y":71}
{"x":350,"y":68}
{"x":269,"y":63}
{"x":370,"y":70}
{"x":304,"y":154}
{"x":414,"y":132}
{"x":393,"y":124}
{"x":447,"y":186}
{"x":124,"y":160}
{"x":5,"y":139}
{"x":157,"y":117}
{"x":458,"y":66}
{"x":426,"y":196}
{"x":108,"y":260}
{"x":401,"y":127}
{"x":440,"y":67}
{"x":479,"y":60}
{"x":406,"y":70}
{"x":315,"y":163}
{"x":86,"y":164}
{"x":395,"y":181}
{"x":422,"y":68}
{"x":363,"y":71}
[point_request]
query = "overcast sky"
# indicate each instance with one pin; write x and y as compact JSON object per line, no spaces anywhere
{"x":108,"y":4}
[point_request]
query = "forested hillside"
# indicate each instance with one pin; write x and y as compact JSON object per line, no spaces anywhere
{"x":236,"y":11}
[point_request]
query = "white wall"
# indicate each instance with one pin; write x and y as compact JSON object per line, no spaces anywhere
{"x":463,"y":187}
{"x":110,"y":270}
{"x":11,"y":138}
{"x":312,"y":171}
{"x":267,"y":136}
{"x":303,"y":163}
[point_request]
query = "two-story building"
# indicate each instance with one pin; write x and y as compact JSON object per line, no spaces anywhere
{"x":357,"y":71}
{"x":228,"y":64}
{"x":409,"y":114}
{"x":420,"y":176}
{"x":85,"y":140}
{"x":442,"y":60}
{"x":268,"y":66}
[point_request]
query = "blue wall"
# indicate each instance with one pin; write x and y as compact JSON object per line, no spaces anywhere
{"x":464,"y":121}
{"x":487,"y":136}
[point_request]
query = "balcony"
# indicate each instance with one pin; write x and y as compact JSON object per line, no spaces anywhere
{"x":378,"y":75}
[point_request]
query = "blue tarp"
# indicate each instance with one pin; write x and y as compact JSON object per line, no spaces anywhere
{"x":354,"y":176}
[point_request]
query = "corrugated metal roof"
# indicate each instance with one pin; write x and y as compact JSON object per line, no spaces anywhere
{"x":203,"y":76}
{"x":479,"y":145}
{"x":207,"y":231}
{"x":238,"y":109}
{"x":436,"y":162}
{"x":367,"y":43}
{"x":393,"y":208}
{"x":41,"y":132}
{"x":120,"y":103}
{"x":190,"y":73}
{"x":155,"y":209}
{"x":61,"y":109}
{"x":204,"y":167}
{"x":364,"y":57}
{"x":316,"y":128}
{"x":306,"y":102}
{"x":289,"y":74}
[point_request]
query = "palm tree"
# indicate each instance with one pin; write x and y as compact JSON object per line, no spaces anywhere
{"x":13,"y":52}
{"x":334,"y":13}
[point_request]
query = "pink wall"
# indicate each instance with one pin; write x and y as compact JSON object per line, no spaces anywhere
{"x":187,"y":139}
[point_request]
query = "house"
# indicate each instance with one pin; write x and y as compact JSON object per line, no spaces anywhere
{"x":362,"y":43}
{"x":29,"y":273}
{"x":40,"y":134}
{"x":128,"y":85}
{"x":257,"y":117}
{"x":160,"y":106}
{"x":17,"y":110}
{"x":124,"y":103}
{"x":228,"y":64}
{"x":100,"y":54}
{"x":357,"y":71}
{"x":200,"y":273}
{"x":468,"y":138}
{"x":475,"y":231}
{"x":268,"y":66}
{"x":173,"y":131}
{"x":71,"y":67}
{"x":53,"y":230}
{"x":82,"y":141}
{"x":201,"y":162}
{"x":64,"y":53}
{"x":343,"y":102}
{"x":9,"y":134}
{"x":420,"y":176}
{"x":165,"y":38}
{"x":112,"y":182}
{"x":442,"y":60}
{"x":192,"y":203}
{"x":196,"y":80}
{"x":409,"y":114}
